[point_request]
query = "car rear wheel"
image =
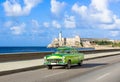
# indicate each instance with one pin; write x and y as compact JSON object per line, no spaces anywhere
{"x":49,"y":66}
{"x":80,"y":63}
{"x":68,"y":66}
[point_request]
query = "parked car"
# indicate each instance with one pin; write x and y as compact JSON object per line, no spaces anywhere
{"x":64,"y":56}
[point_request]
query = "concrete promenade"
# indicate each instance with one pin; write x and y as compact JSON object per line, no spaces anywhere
{"x":16,"y":65}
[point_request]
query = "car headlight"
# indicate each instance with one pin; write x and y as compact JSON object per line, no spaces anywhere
{"x":45,"y":60}
{"x":63,"y":58}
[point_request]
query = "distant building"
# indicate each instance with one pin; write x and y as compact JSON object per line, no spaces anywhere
{"x":75,"y":41}
{"x":90,"y":42}
{"x":94,"y":39}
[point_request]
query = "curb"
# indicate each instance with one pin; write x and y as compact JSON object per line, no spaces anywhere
{"x":21,"y":70}
{"x":42,"y":66}
{"x":101,"y":56}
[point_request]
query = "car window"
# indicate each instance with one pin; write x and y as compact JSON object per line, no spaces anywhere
{"x":60,"y":51}
{"x":74,"y":51}
{"x":67,"y":51}
{"x":63,"y":51}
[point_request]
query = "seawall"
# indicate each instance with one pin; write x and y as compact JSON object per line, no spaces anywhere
{"x":39,"y":55}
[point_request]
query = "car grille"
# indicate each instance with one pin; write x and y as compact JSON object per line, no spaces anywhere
{"x":54,"y":60}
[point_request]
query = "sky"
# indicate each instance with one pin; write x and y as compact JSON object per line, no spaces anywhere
{"x":38,"y":22}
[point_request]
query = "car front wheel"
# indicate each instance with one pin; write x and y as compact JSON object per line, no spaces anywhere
{"x":49,"y":66}
{"x":68,"y":66}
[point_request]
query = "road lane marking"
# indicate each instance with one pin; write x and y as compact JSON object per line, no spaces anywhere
{"x":106,"y":74}
{"x":55,"y":74}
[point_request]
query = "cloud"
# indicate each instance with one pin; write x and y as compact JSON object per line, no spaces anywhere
{"x":14,"y":8}
{"x":114,"y":33}
{"x":46,"y":24}
{"x":56,"y":24}
{"x":69,"y":22}
{"x":115,"y":25}
{"x":98,"y":14}
{"x":82,"y":10}
{"x":8,"y":24}
{"x":36,"y":28}
{"x":35,"y":23}
{"x":57,"y":7}
{"x":18,"y":29}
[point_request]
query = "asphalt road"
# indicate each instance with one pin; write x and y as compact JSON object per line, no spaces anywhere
{"x":108,"y":74}
{"x":92,"y":71}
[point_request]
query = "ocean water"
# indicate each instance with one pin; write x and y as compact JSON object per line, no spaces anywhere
{"x":5,"y":50}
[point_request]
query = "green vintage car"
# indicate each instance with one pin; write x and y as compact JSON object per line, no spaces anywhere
{"x":64,"y":56}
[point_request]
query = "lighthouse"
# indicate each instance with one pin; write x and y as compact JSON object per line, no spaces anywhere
{"x":60,"y":38}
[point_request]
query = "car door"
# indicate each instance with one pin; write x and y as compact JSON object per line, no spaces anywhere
{"x":77,"y":58}
{"x":74,"y":57}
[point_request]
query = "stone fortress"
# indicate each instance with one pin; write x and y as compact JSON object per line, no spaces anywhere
{"x":75,"y":41}
{"x":60,"y":41}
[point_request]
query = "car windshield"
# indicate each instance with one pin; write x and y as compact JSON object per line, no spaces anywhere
{"x":66,"y":50}
{"x":63,"y":51}
{"x":72,"y":51}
